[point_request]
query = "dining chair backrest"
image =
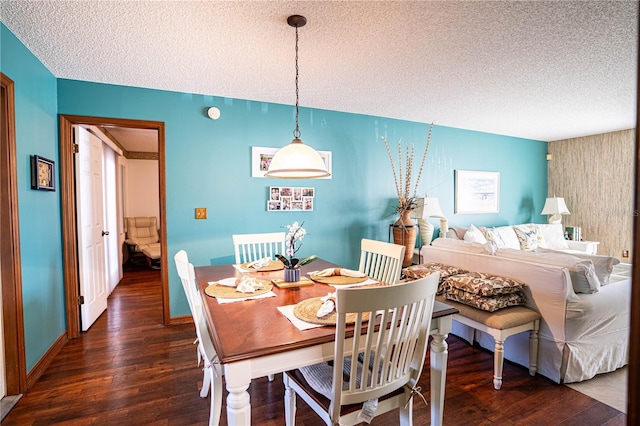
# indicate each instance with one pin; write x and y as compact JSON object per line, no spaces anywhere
{"x":389,"y":357}
{"x":212,"y":379}
{"x":187,"y":277}
{"x":251,"y":247}
{"x":381,"y":261}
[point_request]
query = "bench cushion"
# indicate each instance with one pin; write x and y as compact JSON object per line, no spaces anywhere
{"x":483,"y":284}
{"x":424,"y":269}
{"x":485,"y":303}
{"x":501,"y":319}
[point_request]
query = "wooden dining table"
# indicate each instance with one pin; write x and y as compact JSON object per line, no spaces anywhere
{"x":253,"y":339}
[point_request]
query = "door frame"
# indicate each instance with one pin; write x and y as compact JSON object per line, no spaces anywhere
{"x":69,"y":230}
{"x":12,"y":309}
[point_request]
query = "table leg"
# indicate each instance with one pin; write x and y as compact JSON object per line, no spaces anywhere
{"x":238,"y":378}
{"x":438,"y":360}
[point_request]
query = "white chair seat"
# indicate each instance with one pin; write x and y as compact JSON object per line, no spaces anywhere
{"x":342,"y":392}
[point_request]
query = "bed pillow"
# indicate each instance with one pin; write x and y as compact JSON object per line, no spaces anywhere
{"x":528,"y":236}
{"x":424,"y":269}
{"x":490,"y":304}
{"x":603,"y":264}
{"x":493,"y":237}
{"x":456,"y":233}
{"x":474,"y":235}
{"x":483,"y":284}
{"x":553,"y":236}
{"x":582,"y":271}
{"x":508,"y":236}
{"x":466,"y":246}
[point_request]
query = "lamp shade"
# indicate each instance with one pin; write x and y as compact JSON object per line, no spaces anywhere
{"x":297,"y":161}
{"x":427,"y":207}
{"x":555,"y":207}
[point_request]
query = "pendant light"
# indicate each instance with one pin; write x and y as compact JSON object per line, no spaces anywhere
{"x":297,"y":160}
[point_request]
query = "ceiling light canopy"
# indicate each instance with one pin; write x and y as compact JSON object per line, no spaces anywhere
{"x":297,"y":160}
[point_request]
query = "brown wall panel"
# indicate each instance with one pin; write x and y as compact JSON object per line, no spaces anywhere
{"x":595,"y":176}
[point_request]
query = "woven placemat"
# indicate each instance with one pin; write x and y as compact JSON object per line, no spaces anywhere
{"x":307,"y":310}
{"x":338,"y":279}
{"x":274,"y":265}
{"x":280,"y":283}
{"x":218,"y":290}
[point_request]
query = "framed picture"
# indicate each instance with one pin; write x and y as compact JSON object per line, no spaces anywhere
{"x":42,"y":173}
{"x":290,"y":198}
{"x":261,"y":158}
{"x":477,"y":192}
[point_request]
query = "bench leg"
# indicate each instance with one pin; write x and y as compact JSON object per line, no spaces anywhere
{"x":533,"y":348}
{"x":498,"y":362}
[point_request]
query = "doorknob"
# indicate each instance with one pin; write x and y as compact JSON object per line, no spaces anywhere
{"x":105,"y":233}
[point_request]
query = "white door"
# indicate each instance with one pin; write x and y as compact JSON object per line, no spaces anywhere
{"x":113,"y":265}
{"x":91,"y":247}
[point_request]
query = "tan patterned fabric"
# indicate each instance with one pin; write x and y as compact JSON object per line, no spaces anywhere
{"x":528,"y":236}
{"x":424,"y":269}
{"x":493,"y":237}
{"x":482,"y":284}
{"x":489,"y":304}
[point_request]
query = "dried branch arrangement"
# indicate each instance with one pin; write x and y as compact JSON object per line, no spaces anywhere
{"x":403,"y":178}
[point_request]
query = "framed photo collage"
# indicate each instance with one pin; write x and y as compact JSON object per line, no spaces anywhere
{"x":290,"y":198}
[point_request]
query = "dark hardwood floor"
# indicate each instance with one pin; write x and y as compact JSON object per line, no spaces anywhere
{"x":129,"y":369}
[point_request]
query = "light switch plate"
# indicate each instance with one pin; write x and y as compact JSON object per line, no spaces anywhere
{"x":201,"y":213}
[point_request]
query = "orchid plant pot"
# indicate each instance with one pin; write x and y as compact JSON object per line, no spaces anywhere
{"x":291,"y":275}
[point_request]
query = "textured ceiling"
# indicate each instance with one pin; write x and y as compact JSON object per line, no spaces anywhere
{"x":533,"y":69}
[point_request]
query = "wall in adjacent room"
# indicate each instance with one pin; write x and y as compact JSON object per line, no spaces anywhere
{"x":142,"y":189}
{"x":39,"y":211}
{"x":594,"y":174}
{"x":208,"y":164}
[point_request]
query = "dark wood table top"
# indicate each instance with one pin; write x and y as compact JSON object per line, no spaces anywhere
{"x":252,"y":328}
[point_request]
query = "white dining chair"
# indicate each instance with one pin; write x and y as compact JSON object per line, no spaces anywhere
{"x":382,"y":363}
{"x":212,"y":379}
{"x":381,"y":261}
{"x":251,"y":247}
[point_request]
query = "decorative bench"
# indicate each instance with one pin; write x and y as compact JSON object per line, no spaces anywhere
{"x":501,"y":324}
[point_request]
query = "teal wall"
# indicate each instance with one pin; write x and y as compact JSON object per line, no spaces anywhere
{"x":208,"y":164}
{"x":39,"y":211}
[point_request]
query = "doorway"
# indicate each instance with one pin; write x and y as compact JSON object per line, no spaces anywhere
{"x":70,"y":246}
{"x":15,"y":373}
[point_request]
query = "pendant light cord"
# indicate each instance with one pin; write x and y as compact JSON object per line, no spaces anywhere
{"x":296,"y":132}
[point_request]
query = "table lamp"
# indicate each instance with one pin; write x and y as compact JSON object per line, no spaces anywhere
{"x":555,"y":207}
{"x":426,"y":208}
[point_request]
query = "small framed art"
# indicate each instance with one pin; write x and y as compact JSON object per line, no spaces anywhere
{"x":477,"y":192}
{"x":42,"y":173}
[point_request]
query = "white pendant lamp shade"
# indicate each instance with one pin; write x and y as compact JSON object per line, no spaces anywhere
{"x":297,"y":161}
